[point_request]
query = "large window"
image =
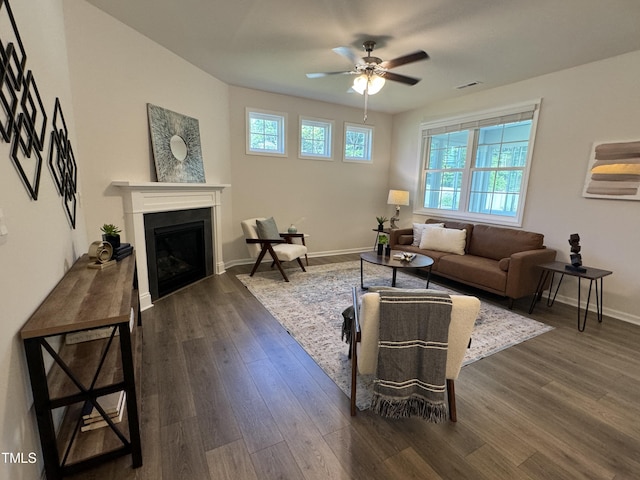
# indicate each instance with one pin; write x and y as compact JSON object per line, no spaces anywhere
{"x":477,"y":167}
{"x":265,"y":132}
{"x":315,"y":138}
{"x":358,"y":140}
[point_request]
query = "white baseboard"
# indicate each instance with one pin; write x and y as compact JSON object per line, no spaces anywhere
{"x":251,"y":261}
{"x":608,"y":312}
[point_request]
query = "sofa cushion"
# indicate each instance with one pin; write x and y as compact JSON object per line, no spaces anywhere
{"x":498,"y":242}
{"x":478,"y":271}
{"x":418,"y":228}
{"x":457,"y":225}
{"x":444,"y":240}
{"x":434,"y":255}
{"x":503,"y":264}
{"x":405,"y":240}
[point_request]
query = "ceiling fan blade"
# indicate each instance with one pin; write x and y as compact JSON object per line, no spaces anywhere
{"x":327,"y":74}
{"x":412,"y":57}
{"x":349,"y":54}
{"x":400,"y":78}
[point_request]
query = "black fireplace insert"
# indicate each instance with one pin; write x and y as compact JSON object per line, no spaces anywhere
{"x":179,"y":249}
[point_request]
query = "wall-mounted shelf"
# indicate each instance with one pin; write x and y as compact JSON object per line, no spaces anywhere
{"x":82,"y":373}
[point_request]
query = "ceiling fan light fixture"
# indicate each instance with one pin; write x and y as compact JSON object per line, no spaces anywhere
{"x":371,"y":83}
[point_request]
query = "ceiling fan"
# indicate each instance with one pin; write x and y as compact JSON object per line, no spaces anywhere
{"x":372,"y":71}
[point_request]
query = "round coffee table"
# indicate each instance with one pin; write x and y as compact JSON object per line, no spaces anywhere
{"x":419,"y":261}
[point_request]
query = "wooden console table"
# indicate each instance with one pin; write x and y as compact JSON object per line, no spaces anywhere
{"x":85,"y":299}
{"x":589,"y":273}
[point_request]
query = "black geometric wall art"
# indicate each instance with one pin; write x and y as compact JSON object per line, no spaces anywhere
{"x":58,"y":149}
{"x":8,"y":96}
{"x":56,"y":162}
{"x":28,"y":168}
{"x":70,"y":199}
{"x":71,"y":170}
{"x":62,"y":163}
{"x":34,"y":112}
{"x":10,"y":34}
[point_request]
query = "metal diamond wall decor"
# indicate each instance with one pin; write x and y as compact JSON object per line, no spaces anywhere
{"x":62,"y":163}
{"x":8,"y":95}
{"x":24,"y":120}
{"x":27,"y":160}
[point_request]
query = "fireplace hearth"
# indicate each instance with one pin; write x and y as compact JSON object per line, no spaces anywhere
{"x":179,"y":250}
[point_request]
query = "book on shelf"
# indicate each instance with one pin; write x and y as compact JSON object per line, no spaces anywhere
{"x":99,"y":422}
{"x":123,"y":246}
{"x":111,"y":403}
{"x":96,"y":333}
{"x":123,"y":251}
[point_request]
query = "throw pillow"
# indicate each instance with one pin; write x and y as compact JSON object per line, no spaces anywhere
{"x":267,"y":229}
{"x":448,"y":240}
{"x":418,"y":228}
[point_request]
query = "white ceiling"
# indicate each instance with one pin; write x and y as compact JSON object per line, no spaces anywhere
{"x":271,"y":44}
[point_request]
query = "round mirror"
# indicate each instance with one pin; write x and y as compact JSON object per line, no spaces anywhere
{"x":178,"y":147}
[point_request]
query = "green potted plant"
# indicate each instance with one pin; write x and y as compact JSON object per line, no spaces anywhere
{"x":111,"y":234}
{"x":382,"y":241}
{"x":381,"y":221}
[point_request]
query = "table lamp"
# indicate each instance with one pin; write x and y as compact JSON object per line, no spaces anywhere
{"x":397,"y":198}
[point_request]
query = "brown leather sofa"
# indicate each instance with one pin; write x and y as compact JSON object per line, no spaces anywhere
{"x":498,"y":260}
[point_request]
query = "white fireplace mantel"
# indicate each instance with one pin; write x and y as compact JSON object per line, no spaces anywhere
{"x":149,"y":197}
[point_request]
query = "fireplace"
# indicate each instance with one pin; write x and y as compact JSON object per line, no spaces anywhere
{"x":179,"y":249}
{"x":143,"y":198}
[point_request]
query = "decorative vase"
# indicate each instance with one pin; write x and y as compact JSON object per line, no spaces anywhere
{"x":380,"y":227}
{"x":380,"y":248}
{"x":387,"y":250}
{"x":292,"y":229}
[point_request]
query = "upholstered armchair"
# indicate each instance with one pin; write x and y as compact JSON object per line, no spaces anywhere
{"x":365,"y":328}
{"x":262,"y":237}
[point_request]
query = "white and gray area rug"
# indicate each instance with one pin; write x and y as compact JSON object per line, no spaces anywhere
{"x":310,"y":307}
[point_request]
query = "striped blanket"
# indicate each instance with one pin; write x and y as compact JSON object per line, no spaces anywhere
{"x":412,"y":355}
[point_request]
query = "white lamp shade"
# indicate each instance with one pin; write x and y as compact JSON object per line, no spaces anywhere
{"x":372,"y":83}
{"x":398,"y":197}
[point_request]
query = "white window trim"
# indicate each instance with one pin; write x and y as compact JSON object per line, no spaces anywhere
{"x":442,"y":124}
{"x":357,"y":126}
{"x":306,"y":156}
{"x":269,"y":153}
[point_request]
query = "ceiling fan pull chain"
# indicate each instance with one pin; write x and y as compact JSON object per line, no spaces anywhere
{"x":366,"y":102}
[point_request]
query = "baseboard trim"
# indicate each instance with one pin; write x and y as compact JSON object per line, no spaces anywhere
{"x":250,"y":261}
{"x":607,"y":312}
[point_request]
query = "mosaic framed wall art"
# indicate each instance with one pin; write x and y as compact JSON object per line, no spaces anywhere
{"x":175,"y":140}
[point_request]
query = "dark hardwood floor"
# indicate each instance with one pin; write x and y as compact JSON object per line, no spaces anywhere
{"x":228,"y":394}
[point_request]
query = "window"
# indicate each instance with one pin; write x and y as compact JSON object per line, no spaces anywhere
{"x":315,"y":138}
{"x":477,"y":167}
{"x":358,"y":140}
{"x":265,"y":132}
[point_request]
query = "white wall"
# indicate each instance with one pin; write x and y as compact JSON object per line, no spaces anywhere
{"x":115,"y":72}
{"x":338,"y":200}
{"x":591,"y":103}
{"x":41,"y":245}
